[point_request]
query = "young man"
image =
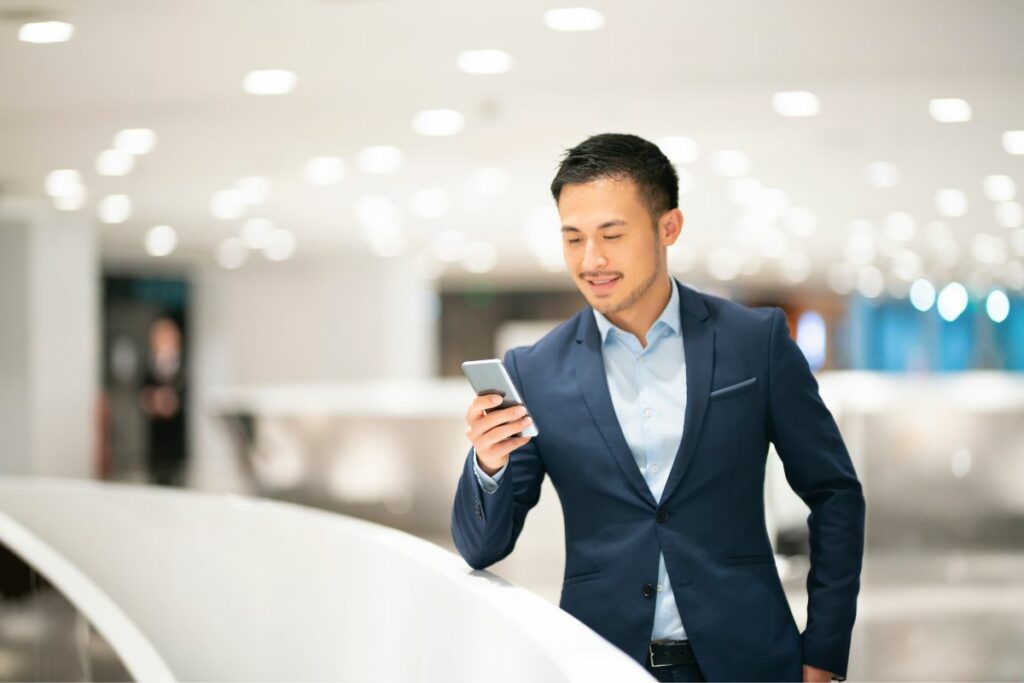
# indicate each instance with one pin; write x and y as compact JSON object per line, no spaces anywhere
{"x":655,"y":407}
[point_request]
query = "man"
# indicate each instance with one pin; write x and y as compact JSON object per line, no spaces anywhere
{"x":655,"y":407}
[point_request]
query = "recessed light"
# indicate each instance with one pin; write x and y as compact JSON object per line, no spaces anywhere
{"x":254,"y":189}
{"x":899,"y":226}
{"x":484,"y":62}
{"x":438,"y":122}
{"x":114,"y":208}
{"x":997,"y":305}
{"x":114,"y":162}
{"x":281,"y":245}
{"x":269,"y":82}
{"x":950,"y":110}
{"x":227,"y":205}
{"x":922,"y":295}
{"x":796,"y":103}
{"x":882,"y":175}
{"x":256,"y":232}
{"x":232,"y":253}
{"x":1013,"y":141}
{"x":161,"y":240}
{"x":679,"y":149}
{"x":63,"y":182}
{"x":951,"y":202}
{"x":379,"y":159}
{"x":71,"y":202}
{"x":323,"y":170}
{"x":573,"y":19}
{"x":952,"y":301}
{"x":46,"y":32}
{"x":999,"y":188}
{"x":1009,"y":214}
{"x":135,"y":141}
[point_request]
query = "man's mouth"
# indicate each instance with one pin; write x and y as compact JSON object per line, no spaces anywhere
{"x":602,"y":284}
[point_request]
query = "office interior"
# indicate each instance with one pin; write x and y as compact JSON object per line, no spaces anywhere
{"x":246,"y":245}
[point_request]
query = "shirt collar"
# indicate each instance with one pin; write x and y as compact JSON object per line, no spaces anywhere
{"x":669,"y":316}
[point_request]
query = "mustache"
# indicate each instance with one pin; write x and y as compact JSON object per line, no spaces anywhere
{"x":598,"y":276}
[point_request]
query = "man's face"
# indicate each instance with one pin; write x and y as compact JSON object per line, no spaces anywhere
{"x":610,"y":243}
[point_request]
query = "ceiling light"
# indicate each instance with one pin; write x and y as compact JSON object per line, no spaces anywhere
{"x":232,"y":253}
{"x":479,"y":257}
{"x":376,"y":211}
{"x":46,"y":32}
{"x":870,"y":282}
{"x":899,"y":226}
{"x":950,"y":202}
{"x":999,"y":188}
{"x":801,"y":221}
{"x":950,"y":110}
{"x":997,"y":305}
{"x":922,"y":295}
{"x":438,"y":122}
{"x":730,"y":163}
{"x":488,"y":181}
{"x":723,"y":264}
{"x":796,"y":267}
{"x":430,"y":203}
{"x":386,"y":239}
{"x":573,"y":19}
{"x":679,"y":149}
{"x":254,"y":189}
{"x":323,"y":170}
{"x":796,"y":103}
{"x":114,"y":208}
{"x":227,"y":205}
{"x":269,"y":82}
{"x":449,"y":245}
{"x":882,"y":174}
{"x":952,"y":301}
{"x":63,"y":182}
{"x":114,"y":162}
{"x":379,"y":159}
{"x":161,"y":240}
{"x":841,"y":278}
{"x":989,"y":249}
{"x":256,"y":232}
{"x":861,"y":242}
{"x":1009,"y":214}
{"x":280,"y":246}
{"x":484,"y":62}
{"x":1013,"y":141}
{"x":135,"y":141}
{"x":71,"y":202}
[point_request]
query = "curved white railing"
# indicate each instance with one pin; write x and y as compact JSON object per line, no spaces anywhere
{"x":191,"y":586}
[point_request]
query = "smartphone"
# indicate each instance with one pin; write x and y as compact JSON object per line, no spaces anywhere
{"x":490,"y":377}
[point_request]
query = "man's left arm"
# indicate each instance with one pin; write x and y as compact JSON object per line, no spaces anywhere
{"x":819,"y":470}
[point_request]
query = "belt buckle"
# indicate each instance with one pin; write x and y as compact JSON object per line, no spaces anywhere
{"x":650,"y":650}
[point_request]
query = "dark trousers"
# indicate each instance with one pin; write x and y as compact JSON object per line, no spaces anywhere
{"x":677,"y":672}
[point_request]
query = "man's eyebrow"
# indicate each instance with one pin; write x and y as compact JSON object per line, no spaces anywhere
{"x":609,"y":224}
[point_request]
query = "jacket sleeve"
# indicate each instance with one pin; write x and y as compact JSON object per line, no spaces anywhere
{"x":820,"y":471}
{"x":485,"y":526}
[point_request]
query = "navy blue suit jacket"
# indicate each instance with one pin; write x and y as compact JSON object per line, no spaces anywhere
{"x":748,"y":384}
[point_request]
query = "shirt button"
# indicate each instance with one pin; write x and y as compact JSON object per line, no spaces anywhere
{"x":648,"y":590}
{"x":640,"y":359}
{"x":654,"y":469}
{"x":660,"y":588}
{"x":647,"y":412}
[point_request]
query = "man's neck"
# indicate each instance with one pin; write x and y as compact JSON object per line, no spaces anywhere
{"x":639,"y":317}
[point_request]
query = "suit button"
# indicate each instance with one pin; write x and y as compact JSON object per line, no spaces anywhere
{"x":661,"y":516}
{"x":648,"y":590}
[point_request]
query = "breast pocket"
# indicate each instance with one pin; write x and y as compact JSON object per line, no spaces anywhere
{"x":734,"y":389}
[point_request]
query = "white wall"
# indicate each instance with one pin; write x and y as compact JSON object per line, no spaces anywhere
{"x":49,"y":377}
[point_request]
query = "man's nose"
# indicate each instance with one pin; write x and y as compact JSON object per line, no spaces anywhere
{"x":593,"y":258}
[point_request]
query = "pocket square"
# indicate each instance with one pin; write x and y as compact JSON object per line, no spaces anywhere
{"x":734,"y":388}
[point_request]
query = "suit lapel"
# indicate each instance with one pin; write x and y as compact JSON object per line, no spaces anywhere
{"x":589,"y":367}
{"x":699,"y":350}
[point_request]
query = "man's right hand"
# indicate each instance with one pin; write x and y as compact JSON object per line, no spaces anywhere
{"x":490,"y":433}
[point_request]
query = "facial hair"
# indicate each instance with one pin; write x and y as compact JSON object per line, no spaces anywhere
{"x":638,"y":291}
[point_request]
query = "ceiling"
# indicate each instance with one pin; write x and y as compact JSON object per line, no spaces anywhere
{"x":656,"y":68}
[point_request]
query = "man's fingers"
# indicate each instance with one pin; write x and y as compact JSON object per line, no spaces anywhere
{"x":499,"y":434}
{"x":483,"y":424}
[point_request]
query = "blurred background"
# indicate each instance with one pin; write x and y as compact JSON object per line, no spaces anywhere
{"x":245,"y":245}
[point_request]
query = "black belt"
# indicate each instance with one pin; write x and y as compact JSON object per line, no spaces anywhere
{"x":670,"y":653}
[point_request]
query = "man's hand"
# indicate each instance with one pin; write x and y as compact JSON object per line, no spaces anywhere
{"x":491,"y":433}
{"x":813,"y":674}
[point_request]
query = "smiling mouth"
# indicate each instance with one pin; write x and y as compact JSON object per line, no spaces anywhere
{"x":602,"y":285}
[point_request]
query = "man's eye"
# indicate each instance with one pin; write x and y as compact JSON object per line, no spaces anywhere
{"x":574,"y":241}
{"x":612,"y":237}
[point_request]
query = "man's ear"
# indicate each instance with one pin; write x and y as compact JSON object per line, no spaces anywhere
{"x":670,"y":225}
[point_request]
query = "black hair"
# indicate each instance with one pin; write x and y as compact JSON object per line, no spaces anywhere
{"x":622,"y":156}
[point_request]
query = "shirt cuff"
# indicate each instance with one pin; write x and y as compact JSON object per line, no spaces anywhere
{"x":489,"y":483}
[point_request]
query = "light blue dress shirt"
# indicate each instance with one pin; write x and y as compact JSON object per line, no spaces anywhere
{"x":648,"y":391}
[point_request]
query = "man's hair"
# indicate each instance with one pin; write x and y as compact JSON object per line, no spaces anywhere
{"x":620,"y":156}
